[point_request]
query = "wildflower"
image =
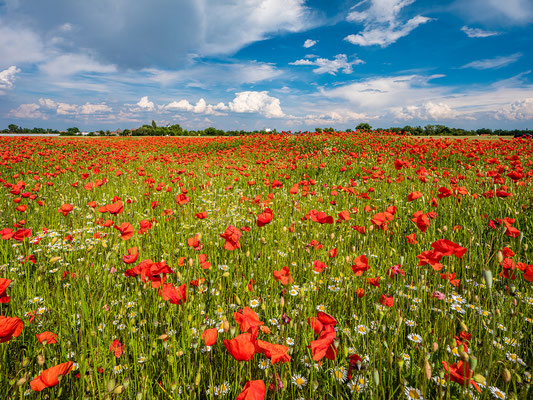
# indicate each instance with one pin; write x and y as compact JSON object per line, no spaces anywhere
{"x":339,"y":374}
{"x":299,"y":381}
{"x":497,"y":393}
{"x":412,"y":393}
{"x":414,"y":338}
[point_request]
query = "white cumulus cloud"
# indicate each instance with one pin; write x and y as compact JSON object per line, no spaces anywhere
{"x":258,"y":102}
{"x":382,"y":24}
{"x":519,"y":110}
{"x":7,"y":77}
{"x":309,"y":43}
{"x":29,"y":111}
{"x":428,"y":111}
{"x":145,"y":104}
{"x":75,"y":109}
{"x":340,"y":62}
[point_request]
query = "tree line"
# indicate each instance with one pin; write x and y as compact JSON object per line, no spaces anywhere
{"x":176,"y":130}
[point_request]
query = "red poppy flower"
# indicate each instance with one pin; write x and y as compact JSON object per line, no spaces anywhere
{"x":360,"y":265}
{"x":411,"y":239}
{"x":460,"y":373}
{"x":344,"y":215}
{"x":210,"y":336}
{"x":373,"y":281}
{"x":265,"y":217}
{"x":413,"y":196}
{"x":117,"y":348}
{"x":126,"y":230}
{"x":242,"y":348}
{"x":283,"y":276}
{"x":194,"y":241}
{"x":387,"y":301}
{"x":319,"y":266}
{"x":6,"y":233}
{"x":182,"y":199}
{"x":276,"y":352}
{"x":132,"y":256}
{"x":253,"y":390}
{"x":22,"y":208}
{"x":248,"y":321}
{"x":65,"y":208}
{"x":49,"y":337}
{"x":527,"y":269}
{"x":232,"y":236}
{"x":10,"y":327}
{"x":49,"y":377}
{"x":201,"y":215}
{"x":115,"y":208}
{"x":447,"y":248}
{"x":430,"y":257}
{"x":4,"y":283}
{"x":22,"y":234}
{"x":176,"y":295}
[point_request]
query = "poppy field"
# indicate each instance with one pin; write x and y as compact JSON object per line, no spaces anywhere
{"x":314,"y":266}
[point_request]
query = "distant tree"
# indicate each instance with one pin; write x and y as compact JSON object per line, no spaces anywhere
{"x":330,"y":129}
{"x":154,"y":125}
{"x":364,"y":126}
{"x":484,"y":131}
{"x":73,"y":130}
{"x":318,"y":130}
{"x":13,"y":128}
{"x":348,"y":130}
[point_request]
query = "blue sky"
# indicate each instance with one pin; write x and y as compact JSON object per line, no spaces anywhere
{"x":254,"y":64}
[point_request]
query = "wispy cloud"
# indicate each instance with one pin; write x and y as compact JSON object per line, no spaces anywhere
{"x":382,"y":23}
{"x":493,"y":63}
{"x":478,"y":33}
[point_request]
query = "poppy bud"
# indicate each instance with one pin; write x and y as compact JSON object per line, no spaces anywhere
{"x":427,"y":370}
{"x":119,"y":389}
{"x":525,"y":247}
{"x":434,"y":346}
{"x":400,"y":363}
{"x":25,"y":362}
{"x":499,"y":256}
{"x":282,"y":302}
{"x":376,"y":377}
{"x":110,"y":385}
{"x":506,"y":375}
{"x":463,"y":326}
{"x":247,"y":253}
{"x":498,"y":312}
{"x":445,"y":228}
{"x":40,"y":359}
{"x":225,"y":326}
{"x":472,"y":362}
{"x":198,"y":379}
{"x":237,"y":300}
{"x":191,"y":262}
{"x":464,"y":356}
{"x":22,"y":381}
{"x":476,"y":298}
{"x":487,"y":275}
